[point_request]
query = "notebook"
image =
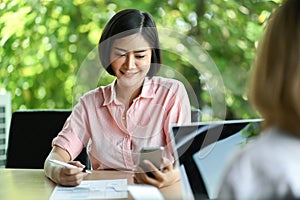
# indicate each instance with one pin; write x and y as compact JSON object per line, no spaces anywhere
{"x":204,"y":149}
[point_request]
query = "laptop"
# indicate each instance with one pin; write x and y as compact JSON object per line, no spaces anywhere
{"x":204,"y":149}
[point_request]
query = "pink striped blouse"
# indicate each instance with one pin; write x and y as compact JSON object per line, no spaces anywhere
{"x":96,"y":122}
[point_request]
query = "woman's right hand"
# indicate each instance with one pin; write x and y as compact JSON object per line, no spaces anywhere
{"x":68,"y":176}
{"x":60,"y":174}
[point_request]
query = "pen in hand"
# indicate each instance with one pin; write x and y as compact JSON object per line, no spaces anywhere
{"x":68,"y":165}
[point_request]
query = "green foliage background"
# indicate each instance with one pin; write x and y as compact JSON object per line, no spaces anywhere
{"x":43,"y":43}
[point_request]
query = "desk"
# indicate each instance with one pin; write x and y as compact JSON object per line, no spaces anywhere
{"x":32,"y":184}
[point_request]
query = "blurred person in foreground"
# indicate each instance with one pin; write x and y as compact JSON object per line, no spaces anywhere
{"x":269,"y":167}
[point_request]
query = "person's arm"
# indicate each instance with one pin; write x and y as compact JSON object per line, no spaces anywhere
{"x":60,"y":174}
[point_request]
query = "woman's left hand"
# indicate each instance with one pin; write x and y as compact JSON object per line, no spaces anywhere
{"x":162,"y":178}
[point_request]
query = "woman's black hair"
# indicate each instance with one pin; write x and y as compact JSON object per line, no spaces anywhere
{"x":125,"y":23}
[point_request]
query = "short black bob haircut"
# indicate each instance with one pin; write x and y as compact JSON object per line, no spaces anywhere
{"x":128,"y":22}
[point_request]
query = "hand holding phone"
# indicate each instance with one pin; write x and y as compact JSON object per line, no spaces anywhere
{"x":154,"y":155}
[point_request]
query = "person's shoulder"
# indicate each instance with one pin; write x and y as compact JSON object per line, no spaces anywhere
{"x":96,"y":94}
{"x":263,"y":147}
{"x":265,"y":159}
{"x":166,"y":82}
{"x":91,"y":93}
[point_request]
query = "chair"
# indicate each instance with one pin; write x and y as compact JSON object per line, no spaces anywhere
{"x":196,"y":115}
{"x":30,"y":136}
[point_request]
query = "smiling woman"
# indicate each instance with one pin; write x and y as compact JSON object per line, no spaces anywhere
{"x":136,"y":110}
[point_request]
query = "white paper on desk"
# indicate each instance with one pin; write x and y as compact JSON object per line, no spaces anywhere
{"x":142,"y":192}
{"x":92,"y":189}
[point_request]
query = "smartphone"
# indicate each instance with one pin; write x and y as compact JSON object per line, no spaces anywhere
{"x":154,"y":155}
